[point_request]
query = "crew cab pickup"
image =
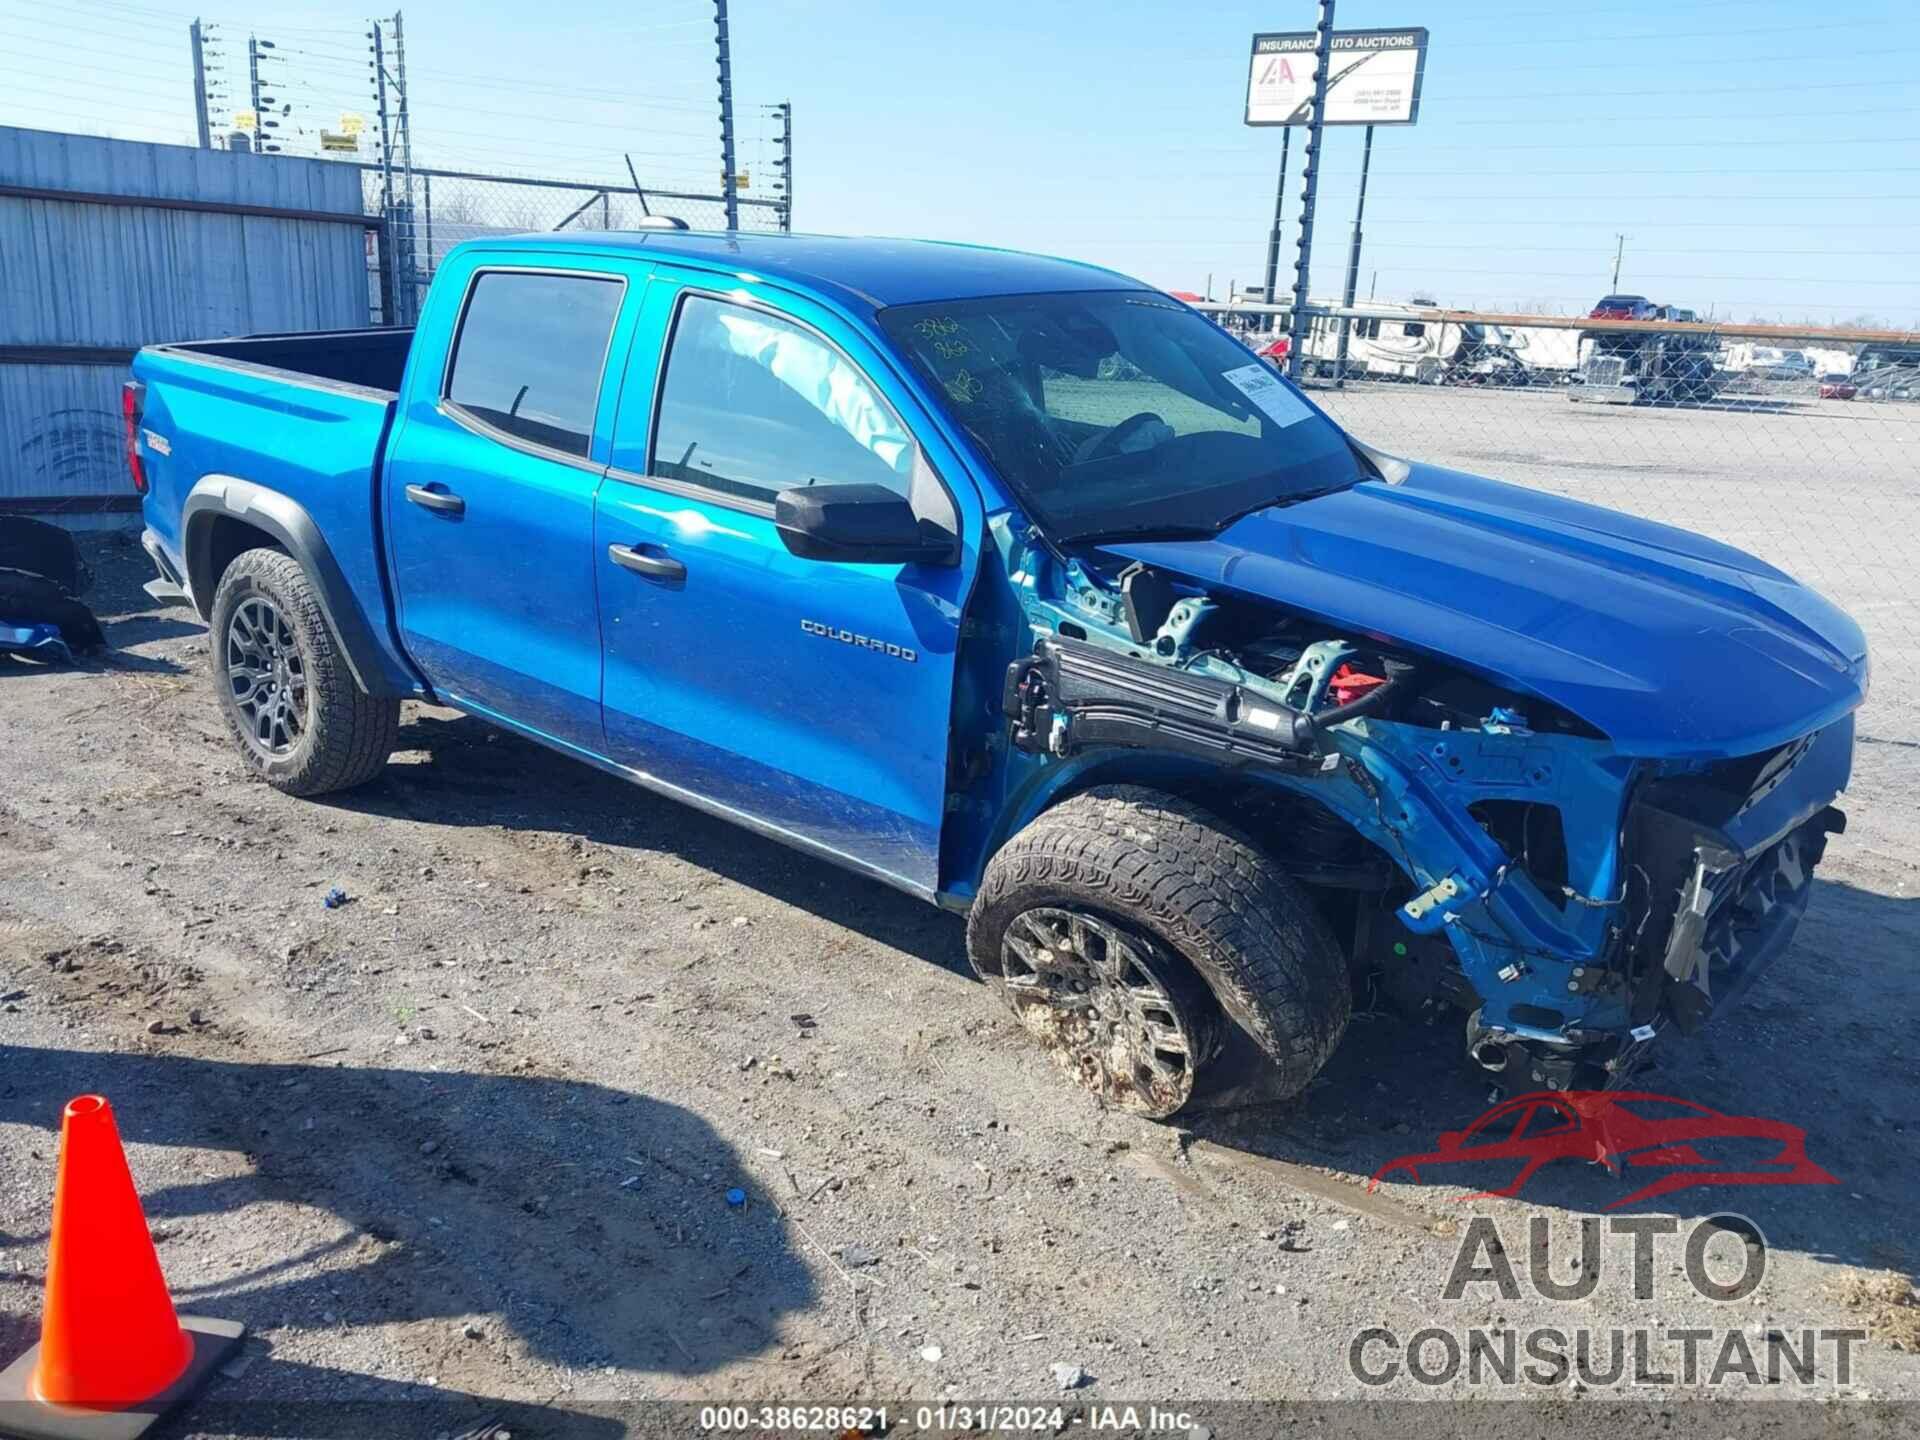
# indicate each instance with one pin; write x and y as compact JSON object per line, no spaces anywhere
{"x":1023,"y":587}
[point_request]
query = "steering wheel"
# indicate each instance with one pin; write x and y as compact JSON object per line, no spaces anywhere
{"x":1108,"y":441}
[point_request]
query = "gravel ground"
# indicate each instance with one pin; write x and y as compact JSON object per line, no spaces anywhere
{"x":471,"y":1134}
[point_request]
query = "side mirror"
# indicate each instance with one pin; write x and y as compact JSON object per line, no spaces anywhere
{"x":864,"y":523}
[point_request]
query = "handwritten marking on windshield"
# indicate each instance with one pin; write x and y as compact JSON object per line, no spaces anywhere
{"x":965,"y":387}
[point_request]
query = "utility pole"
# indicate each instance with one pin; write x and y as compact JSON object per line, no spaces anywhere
{"x":403,"y":137}
{"x":729,"y":175}
{"x":785,"y":165}
{"x":1619,"y":247}
{"x":1279,"y":201}
{"x":255,"y":97}
{"x":390,"y":307}
{"x":253,"y":93}
{"x":1322,"y":59}
{"x":1353,"y":261}
{"x":200,"y":120}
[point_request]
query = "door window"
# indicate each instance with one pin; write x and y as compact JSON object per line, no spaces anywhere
{"x":530,"y":354}
{"x":754,"y":404}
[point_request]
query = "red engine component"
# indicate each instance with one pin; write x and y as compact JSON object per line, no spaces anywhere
{"x":1348,"y":684}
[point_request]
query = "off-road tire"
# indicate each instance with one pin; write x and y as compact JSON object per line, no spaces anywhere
{"x":347,"y":734}
{"x":1200,"y":889}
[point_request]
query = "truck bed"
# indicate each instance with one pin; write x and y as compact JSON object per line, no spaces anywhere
{"x":362,"y":359}
{"x":281,"y":435}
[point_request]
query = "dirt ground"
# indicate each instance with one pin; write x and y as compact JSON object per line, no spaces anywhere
{"x":472,"y":1133}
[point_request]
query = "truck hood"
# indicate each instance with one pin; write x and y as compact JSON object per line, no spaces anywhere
{"x":1671,"y":644}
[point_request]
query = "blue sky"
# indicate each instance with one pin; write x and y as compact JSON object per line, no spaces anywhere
{"x":1762,"y":158}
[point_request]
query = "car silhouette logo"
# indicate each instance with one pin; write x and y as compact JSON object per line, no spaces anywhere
{"x":1625,"y":1130}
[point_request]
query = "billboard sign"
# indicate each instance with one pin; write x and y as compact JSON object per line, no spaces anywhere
{"x":1373,"y":77}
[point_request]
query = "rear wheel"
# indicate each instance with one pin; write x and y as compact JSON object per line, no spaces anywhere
{"x":1126,"y":928}
{"x":303,"y":724}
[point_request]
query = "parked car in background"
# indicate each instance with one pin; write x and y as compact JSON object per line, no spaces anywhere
{"x":1021,"y":587}
{"x":1791,"y":365}
{"x":1836,"y":386}
{"x":1888,"y":372}
{"x":1624,"y":307}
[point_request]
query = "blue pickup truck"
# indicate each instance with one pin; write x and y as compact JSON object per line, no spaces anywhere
{"x":1025,"y":588}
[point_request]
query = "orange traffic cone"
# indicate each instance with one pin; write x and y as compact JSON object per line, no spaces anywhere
{"x":113,"y":1356}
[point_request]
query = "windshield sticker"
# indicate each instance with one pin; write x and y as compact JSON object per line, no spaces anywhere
{"x":1260,"y":385}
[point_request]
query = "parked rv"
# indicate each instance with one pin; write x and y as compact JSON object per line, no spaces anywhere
{"x":1390,"y":344}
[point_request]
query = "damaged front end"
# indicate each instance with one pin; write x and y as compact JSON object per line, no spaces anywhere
{"x":1473,"y":844}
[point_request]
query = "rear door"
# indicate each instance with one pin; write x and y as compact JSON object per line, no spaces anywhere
{"x":489,"y":486}
{"x":811,"y":698}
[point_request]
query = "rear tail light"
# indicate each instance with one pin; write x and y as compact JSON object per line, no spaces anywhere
{"x":133,"y":403}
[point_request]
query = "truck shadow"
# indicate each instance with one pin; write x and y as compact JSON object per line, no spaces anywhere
{"x":1844,"y":990}
{"x":1396,"y":1082}
{"x":480,"y":775}
{"x":588,"y":1225}
{"x":317,"y":1402}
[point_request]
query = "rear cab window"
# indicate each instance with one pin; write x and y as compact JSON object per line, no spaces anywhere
{"x":529,"y":356}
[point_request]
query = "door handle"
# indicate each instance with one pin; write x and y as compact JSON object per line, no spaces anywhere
{"x":654,"y":567}
{"x":443,"y":501}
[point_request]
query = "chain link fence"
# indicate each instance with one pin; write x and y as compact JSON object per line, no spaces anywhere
{"x":1800,"y":446}
{"x":429,"y":211}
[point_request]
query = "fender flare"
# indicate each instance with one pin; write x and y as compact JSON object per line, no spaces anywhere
{"x":287,"y":522}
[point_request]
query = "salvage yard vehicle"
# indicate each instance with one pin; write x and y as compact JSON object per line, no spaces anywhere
{"x":1028,"y":590}
{"x":1641,"y":367}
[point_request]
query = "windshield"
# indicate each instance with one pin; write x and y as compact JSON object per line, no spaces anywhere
{"x":1120,"y":412}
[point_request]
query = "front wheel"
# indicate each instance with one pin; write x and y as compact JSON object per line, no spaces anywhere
{"x":303,"y":723}
{"x":1126,"y":928}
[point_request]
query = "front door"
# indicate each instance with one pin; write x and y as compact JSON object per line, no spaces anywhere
{"x":489,"y":491}
{"x":809,"y":697}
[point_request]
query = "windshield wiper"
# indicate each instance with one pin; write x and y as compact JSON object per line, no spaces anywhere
{"x":1187,"y":530}
{"x":1281,"y":502}
{"x":1144,"y":532}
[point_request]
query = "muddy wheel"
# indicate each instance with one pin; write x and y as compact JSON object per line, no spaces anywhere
{"x":1126,"y":928}
{"x":302,"y":723}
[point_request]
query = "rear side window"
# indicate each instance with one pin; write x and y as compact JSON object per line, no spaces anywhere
{"x":530,"y":354}
{"x":754,"y":405}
